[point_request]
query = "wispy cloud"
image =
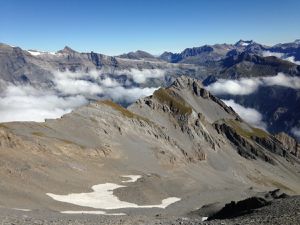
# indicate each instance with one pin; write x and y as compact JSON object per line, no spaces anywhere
{"x":246,"y":86}
{"x":250,"y":115}
{"x":243,"y":86}
{"x":92,"y":85}
{"x":281,"y":80}
{"x":292,"y":59}
{"x":25,"y":103}
{"x":281,"y":56}
{"x":141,"y":76}
{"x":296,"y":131}
{"x":71,"y":90}
{"x":269,"y":53}
{"x":128,"y":95}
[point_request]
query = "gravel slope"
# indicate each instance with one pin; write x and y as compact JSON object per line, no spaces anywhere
{"x":281,"y":211}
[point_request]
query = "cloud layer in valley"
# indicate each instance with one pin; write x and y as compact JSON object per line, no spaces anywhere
{"x":71,"y":90}
{"x":296,"y":131}
{"x":246,"y":86}
{"x":250,"y":115}
{"x":93,"y":85}
{"x":139,"y":76}
{"x":281,"y":56}
{"x":25,"y":103}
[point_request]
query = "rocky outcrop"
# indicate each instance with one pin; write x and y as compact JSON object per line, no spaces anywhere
{"x":138,"y":55}
{"x":251,"y":142}
{"x":235,"y":209}
{"x":244,"y":147}
{"x":200,"y":91}
{"x":289,"y":143}
{"x":8,"y":140}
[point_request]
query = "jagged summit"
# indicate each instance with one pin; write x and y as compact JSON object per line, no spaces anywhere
{"x":186,"y":102}
{"x":67,"y":50}
{"x":192,"y":93}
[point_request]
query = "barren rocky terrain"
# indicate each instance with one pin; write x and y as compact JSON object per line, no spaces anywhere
{"x":281,"y":211}
{"x":183,"y":146}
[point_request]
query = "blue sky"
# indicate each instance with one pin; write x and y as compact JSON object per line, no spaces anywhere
{"x":114,"y":27}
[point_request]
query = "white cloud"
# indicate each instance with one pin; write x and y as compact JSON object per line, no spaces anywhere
{"x":292,"y":59}
{"x":71,"y":90}
{"x":281,"y":56}
{"x":296,"y":131}
{"x":246,"y":86}
{"x":25,"y":103}
{"x":243,"y":86}
{"x":99,"y":83}
{"x":269,"y":53}
{"x":140,"y":76}
{"x":250,"y":115}
{"x":282,"y":80}
{"x":128,"y":94}
{"x":109,"y":82}
{"x":73,"y":87}
{"x":76,"y":83}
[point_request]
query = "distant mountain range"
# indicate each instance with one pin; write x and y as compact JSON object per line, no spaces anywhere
{"x":209,"y":63}
{"x":218,"y":52}
{"x":243,"y":59}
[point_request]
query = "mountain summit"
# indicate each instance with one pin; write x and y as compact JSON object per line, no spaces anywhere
{"x":67,"y":50}
{"x":242,"y":43}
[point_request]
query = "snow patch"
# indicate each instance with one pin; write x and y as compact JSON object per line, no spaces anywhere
{"x":24,"y":210}
{"x":245,"y":44}
{"x":132,"y":178}
{"x":93,"y":212}
{"x":34,"y":53}
{"x":102,"y":197}
{"x":37,"y":53}
{"x":204,"y":218}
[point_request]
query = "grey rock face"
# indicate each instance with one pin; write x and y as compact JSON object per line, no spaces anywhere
{"x":278,"y":105}
{"x":289,"y":143}
{"x":138,"y":55}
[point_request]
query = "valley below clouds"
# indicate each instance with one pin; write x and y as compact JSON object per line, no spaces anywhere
{"x":74,"y":89}
{"x":250,"y":115}
{"x":71,"y":90}
{"x":246,"y":86}
{"x":235,"y":92}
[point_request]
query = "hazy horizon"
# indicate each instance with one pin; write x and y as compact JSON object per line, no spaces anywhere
{"x":155,"y":54}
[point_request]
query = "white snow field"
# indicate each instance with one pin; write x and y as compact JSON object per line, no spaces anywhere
{"x":93,"y":212}
{"x":102,"y":197}
{"x":132,"y":178}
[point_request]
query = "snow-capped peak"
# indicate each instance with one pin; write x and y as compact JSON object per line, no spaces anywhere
{"x":297,"y":41}
{"x":243,"y":43}
{"x":37,"y":53}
